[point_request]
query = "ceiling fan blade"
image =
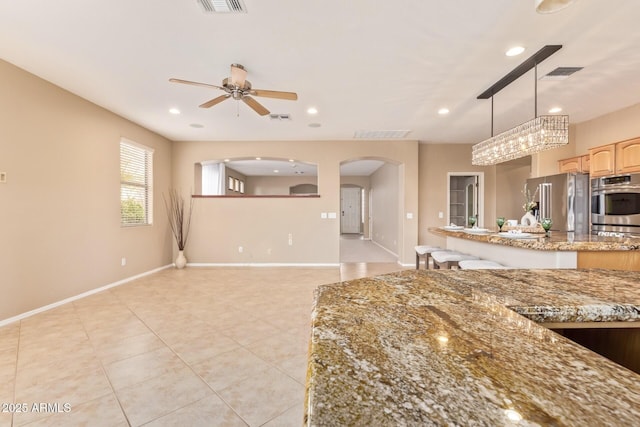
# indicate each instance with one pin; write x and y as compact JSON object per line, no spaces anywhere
{"x":291,"y":96}
{"x":187,"y":82}
{"x":214,"y":101}
{"x":238,"y":75}
{"x":255,"y":105}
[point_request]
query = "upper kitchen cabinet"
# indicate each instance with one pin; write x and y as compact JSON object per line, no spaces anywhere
{"x":574,"y":164}
{"x":628,"y":156}
{"x":603,"y":160}
{"x":611,"y":159}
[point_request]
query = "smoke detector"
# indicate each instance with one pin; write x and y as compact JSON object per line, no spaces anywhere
{"x":280,"y":116}
{"x":222,"y":6}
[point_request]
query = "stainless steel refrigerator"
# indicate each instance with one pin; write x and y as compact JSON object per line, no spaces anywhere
{"x":565,"y":199}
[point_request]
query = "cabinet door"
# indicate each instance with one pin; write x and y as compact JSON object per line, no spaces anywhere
{"x":628,"y":156}
{"x":586,"y":162}
{"x":602,"y":160}
{"x":573,"y":164}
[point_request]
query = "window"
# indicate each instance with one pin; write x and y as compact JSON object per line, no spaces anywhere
{"x":136,"y":184}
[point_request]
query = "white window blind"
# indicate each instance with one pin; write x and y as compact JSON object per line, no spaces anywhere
{"x":136,"y":184}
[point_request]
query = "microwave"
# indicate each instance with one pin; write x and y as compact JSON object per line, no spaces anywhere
{"x":615,"y":204}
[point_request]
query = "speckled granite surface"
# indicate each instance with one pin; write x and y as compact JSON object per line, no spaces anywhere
{"x":557,"y":241}
{"x":447,"y":348}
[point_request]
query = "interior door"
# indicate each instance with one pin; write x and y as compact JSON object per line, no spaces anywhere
{"x":350,"y":207}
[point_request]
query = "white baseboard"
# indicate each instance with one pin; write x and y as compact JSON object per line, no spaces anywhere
{"x":261,"y":264}
{"x":79,"y":296}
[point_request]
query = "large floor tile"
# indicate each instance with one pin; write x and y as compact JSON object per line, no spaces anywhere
{"x":208,"y":412}
{"x":228,"y":368}
{"x":142,"y":367}
{"x":294,"y":416}
{"x":112,"y":351}
{"x":261,"y":398}
{"x":161,"y":395}
{"x":78,"y":387}
{"x":101,"y":412}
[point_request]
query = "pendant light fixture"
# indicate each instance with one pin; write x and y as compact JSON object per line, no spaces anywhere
{"x":539,"y":134}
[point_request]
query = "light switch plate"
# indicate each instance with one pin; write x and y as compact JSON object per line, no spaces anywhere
{"x":332,"y":215}
{"x":409,"y":215}
{"x":3,"y":177}
{"x":323,"y":215}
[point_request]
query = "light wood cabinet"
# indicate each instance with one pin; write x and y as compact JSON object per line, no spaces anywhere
{"x":602,"y":160}
{"x":628,"y":156}
{"x":586,"y":163}
{"x":574,"y":164}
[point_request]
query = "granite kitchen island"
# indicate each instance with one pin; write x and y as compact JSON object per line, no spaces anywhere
{"x":559,"y":250}
{"x":459,"y":348}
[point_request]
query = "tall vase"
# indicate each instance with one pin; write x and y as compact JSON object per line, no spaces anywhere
{"x":181,"y":261}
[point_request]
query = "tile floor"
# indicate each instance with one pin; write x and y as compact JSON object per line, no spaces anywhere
{"x":193,"y":347}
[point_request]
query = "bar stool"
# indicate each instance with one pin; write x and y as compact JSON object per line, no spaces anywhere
{"x":449,"y":259}
{"x":480,"y":264}
{"x":425,"y":251}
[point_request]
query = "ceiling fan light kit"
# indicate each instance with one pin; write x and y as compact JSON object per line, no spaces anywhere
{"x":239,"y":88}
{"x":539,"y":134}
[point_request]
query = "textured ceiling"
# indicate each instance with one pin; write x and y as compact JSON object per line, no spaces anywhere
{"x":364,"y":65}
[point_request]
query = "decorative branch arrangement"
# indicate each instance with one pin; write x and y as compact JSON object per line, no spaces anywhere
{"x":529,"y":200}
{"x":179,"y":219}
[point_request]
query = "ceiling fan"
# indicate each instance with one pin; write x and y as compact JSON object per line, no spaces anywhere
{"x":238,"y":87}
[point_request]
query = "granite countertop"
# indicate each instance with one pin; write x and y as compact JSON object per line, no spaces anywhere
{"x":557,"y":241}
{"x":449,"y":348}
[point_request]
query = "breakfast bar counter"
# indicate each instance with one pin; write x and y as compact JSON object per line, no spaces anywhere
{"x":454,"y":347}
{"x":558,"y":250}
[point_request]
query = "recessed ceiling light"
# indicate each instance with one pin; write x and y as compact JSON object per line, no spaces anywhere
{"x":276,"y":171}
{"x":196,"y":125}
{"x":227,"y":160}
{"x":515,"y":51}
{"x":291,"y":160}
{"x":443,"y":111}
{"x":174,"y":111}
{"x":258,"y":158}
{"x":314,"y":125}
{"x":555,"y":110}
{"x":312,"y":110}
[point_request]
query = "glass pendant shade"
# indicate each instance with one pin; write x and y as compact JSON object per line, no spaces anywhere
{"x":539,"y":134}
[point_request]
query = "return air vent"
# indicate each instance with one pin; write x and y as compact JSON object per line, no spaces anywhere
{"x":280,"y":116}
{"x":561,"y":73}
{"x":380,"y":134}
{"x":222,"y":6}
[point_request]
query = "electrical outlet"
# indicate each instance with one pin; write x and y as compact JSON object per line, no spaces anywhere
{"x":240,"y":249}
{"x":123,"y":261}
{"x":440,"y":214}
{"x":290,"y":239}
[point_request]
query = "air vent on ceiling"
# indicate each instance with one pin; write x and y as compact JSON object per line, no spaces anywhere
{"x":380,"y":134}
{"x":280,"y":116}
{"x":223,"y":6}
{"x":561,"y":73}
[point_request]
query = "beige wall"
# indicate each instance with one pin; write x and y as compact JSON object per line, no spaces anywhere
{"x":60,"y":215}
{"x":262,"y":226}
{"x":435,"y":161}
{"x":510,"y":180}
{"x":276,"y":185}
{"x":385,"y":201}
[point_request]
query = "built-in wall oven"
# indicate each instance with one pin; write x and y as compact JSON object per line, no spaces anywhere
{"x":615,"y":204}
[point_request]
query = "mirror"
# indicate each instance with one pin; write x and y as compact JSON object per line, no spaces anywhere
{"x":255,"y":177}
